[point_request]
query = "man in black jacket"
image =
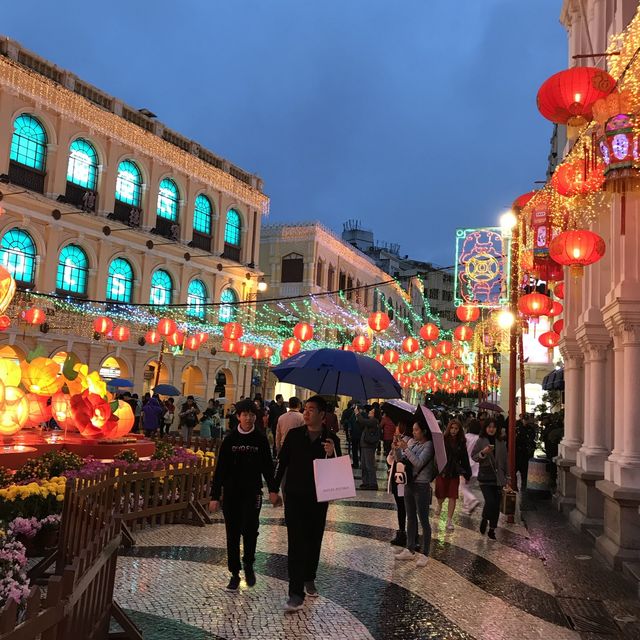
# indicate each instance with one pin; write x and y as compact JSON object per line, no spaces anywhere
{"x":243,"y":460}
{"x":305,"y":517}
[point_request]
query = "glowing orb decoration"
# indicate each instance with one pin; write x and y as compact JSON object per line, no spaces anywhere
{"x":378,"y":321}
{"x":410,"y":345}
{"x":166,"y":326}
{"x":468,"y":313}
{"x":39,"y":410}
{"x":102,"y":325}
{"x":35,"y":315}
{"x":303,"y":331}
{"x":361,"y":344}
{"x":233,"y":331}
{"x":14,"y":411}
{"x":93,"y":416}
{"x":7,"y":289}
{"x":176,"y":339}
{"x":290,"y":347}
{"x":126,"y":419}
{"x":391,"y":356}
{"x":429,"y":332}
{"x":152,"y":337}
{"x":121,"y":334}
{"x":10,"y":372}
{"x":192,"y":343}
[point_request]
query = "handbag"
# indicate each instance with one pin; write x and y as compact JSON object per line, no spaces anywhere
{"x":333,"y":478}
{"x":508,"y":501}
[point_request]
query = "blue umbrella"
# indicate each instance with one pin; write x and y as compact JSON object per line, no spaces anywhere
{"x":120,"y":383}
{"x":166,"y":390}
{"x":335,"y":372}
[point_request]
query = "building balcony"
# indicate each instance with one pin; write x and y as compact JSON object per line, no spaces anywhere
{"x":84,"y":199}
{"x":26,"y":177}
{"x":231,"y":252}
{"x":167,"y":229}
{"x":126,"y":213}
{"x":201,"y":241}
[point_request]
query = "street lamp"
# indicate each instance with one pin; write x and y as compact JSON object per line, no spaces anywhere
{"x":508,"y":221}
{"x":505,"y":319}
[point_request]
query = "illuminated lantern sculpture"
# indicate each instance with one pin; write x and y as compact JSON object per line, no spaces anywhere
{"x":41,"y":376}
{"x":93,"y":416}
{"x":417,"y":364}
{"x":14,"y":412}
{"x":7,"y":289}
{"x":410,"y":345}
{"x":568,"y":97}
{"x":166,"y":326}
{"x":121,"y":333}
{"x":549,"y":339}
{"x":558,"y":326}
{"x":468,"y":313}
{"x":152,"y":336}
{"x":233,"y":330}
{"x":61,"y":409}
{"x":35,"y":315}
{"x":258,"y":353}
{"x":192,"y":343}
{"x":556,"y":309}
{"x":534,"y":305}
{"x":463,"y":333}
{"x":577,"y":178}
{"x":429,"y":332}
{"x":429,"y":352}
{"x":176,"y":338}
{"x":102,"y":325}
{"x":576,"y":249}
{"x":126,"y":420}
{"x":361,"y":344}
{"x":303,"y":331}
{"x":5,"y":323}
{"x":558,"y":292}
{"x":378,"y":321}
{"x":39,"y":410}
{"x":229,"y":345}
{"x":391,"y":356}
{"x":444,"y":347}
{"x":290,"y":347}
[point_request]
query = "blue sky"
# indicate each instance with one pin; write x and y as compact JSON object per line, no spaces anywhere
{"x":413,"y":116}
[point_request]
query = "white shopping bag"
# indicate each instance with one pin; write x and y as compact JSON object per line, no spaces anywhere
{"x":334,"y":478}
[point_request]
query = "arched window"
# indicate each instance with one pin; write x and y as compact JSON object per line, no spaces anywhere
{"x":29,"y":142}
{"x":168,"y":198}
{"x":202,"y":214}
{"x":292,"y":268}
{"x":73,"y":268}
{"x":232,"y":228}
{"x":120,"y":280}
{"x":129,"y":183}
{"x":196,"y":299}
{"x":18,"y":255}
{"x":227,"y":311}
{"x":83,"y":164}
{"x":161,"y":288}
{"x":319,"y":272}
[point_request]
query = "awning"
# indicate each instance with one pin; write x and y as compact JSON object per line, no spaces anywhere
{"x":554,"y":381}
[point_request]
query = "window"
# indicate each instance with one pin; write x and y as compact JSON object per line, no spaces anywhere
{"x":168,"y":199}
{"x":29,"y":142}
{"x":342,"y":281}
{"x":120,"y":281}
{"x":349,"y":287}
{"x":447,"y":296}
{"x":161,"y":288}
{"x":319,"y":272}
{"x":18,"y":253}
{"x":83,"y":164}
{"x":434,"y":294}
{"x":228,"y":311}
{"x":232,"y":228}
{"x":129,"y":183}
{"x":73,"y":268}
{"x":331,"y":275}
{"x":366,"y":296}
{"x":292,"y":268}
{"x":196,"y":299}
{"x":448,"y":278}
{"x":202,"y":214}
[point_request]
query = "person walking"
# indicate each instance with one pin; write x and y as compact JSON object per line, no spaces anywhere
{"x":525,"y":447}
{"x":276,"y":409}
{"x":188,"y":419}
{"x":448,"y":480}
{"x":397,"y":490}
{"x":388,"y":432}
{"x":152,"y":413}
{"x":331,"y":419}
{"x":244,"y":459}
{"x":418,"y":454}
{"x":304,"y":516}
{"x":209,"y":415}
{"x":287,"y":421}
{"x":491,"y":454}
{"x":469,"y":500}
{"x":169,"y":415}
{"x":369,"y":441}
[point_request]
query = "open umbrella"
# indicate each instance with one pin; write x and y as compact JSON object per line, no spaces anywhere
{"x":120,"y":383}
{"x":166,"y":390}
{"x":490,"y":406}
{"x":425,"y":415}
{"x":399,"y":410}
{"x":335,"y":372}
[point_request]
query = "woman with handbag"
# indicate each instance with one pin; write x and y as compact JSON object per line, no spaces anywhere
{"x":491,"y":454}
{"x":448,"y":482}
{"x":396,"y":471}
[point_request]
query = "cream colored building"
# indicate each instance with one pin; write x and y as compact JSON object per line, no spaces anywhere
{"x":102,"y":202}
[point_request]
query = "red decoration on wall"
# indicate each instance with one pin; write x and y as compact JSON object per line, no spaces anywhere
{"x":102,"y":325}
{"x":429,"y":332}
{"x":577,"y":249}
{"x":378,"y":321}
{"x":534,"y":305}
{"x":468,"y":313}
{"x":233,"y":330}
{"x":303,"y":331}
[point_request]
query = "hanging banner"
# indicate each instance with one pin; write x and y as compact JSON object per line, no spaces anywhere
{"x":482,"y":267}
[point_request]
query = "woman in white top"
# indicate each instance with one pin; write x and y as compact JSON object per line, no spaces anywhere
{"x":469,"y":501}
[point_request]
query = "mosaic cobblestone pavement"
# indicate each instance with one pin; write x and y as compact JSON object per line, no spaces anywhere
{"x":518,"y":587}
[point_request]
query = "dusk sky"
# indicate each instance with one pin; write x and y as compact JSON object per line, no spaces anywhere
{"x":413,"y":116}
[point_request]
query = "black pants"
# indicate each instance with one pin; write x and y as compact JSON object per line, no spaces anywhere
{"x":402,"y":511}
{"x":241,"y":518}
{"x":491,"y":510}
{"x":522,"y":465}
{"x":305,"y":519}
{"x":355,"y":452}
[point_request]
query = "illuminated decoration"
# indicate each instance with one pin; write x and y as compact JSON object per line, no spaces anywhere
{"x":361,"y":344}
{"x":436,"y":364}
{"x":444,"y":348}
{"x":547,"y":270}
{"x":463,"y":333}
{"x":568,"y":96}
{"x":406,"y":367}
{"x":40,"y":376}
{"x":176,"y":339}
{"x":521,"y":201}
{"x":378,"y":321}
{"x":429,"y":352}
{"x":102,"y":325}
{"x":5,"y":323}
{"x":129,"y":183}
{"x":120,"y":280}
{"x":82,"y":168}
{"x":203,"y":336}
{"x":558,"y":292}
{"x":229,"y":345}
{"x":575,"y":178}
{"x":232,"y":228}
{"x":121,"y":333}
{"x":196,"y":299}
{"x":192,"y":343}
{"x":34,"y":315}
{"x":10,"y":372}
{"x":227,"y":311}
{"x":73,"y":270}
{"x":202,"y":215}
{"x":93,"y":416}
{"x":482,"y":268}
{"x":380,"y":358}
{"x":126,"y":420}
{"x":577,"y":249}
{"x":417,"y":364}
{"x":467,"y":313}
{"x":39,"y":410}
{"x":258,"y":353}
{"x":391,"y":356}
{"x":166,"y":326}
{"x":556,"y":309}
{"x":558,"y":326}
{"x":410,"y":345}
{"x":549,"y":339}
{"x":534,"y":305}
{"x":152,"y":337}
{"x":303,"y":331}
{"x":505,"y":319}
{"x":14,"y":411}
{"x":161,"y":288}
{"x":168,"y":199}
{"x":29,"y":142}
{"x":18,"y":255}
{"x":429,"y":332}
{"x":290,"y":347}
{"x":233,"y":331}
{"x":61,"y":409}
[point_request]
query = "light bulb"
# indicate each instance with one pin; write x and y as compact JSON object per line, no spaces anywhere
{"x":505,"y":319}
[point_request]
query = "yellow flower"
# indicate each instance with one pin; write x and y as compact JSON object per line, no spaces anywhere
{"x":59,"y":497}
{"x":209,"y":454}
{"x":96,"y":385}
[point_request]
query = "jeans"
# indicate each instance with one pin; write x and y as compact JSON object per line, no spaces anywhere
{"x":491,"y":510}
{"x":368,"y":460}
{"x":417,"y":498}
{"x":241,"y":518}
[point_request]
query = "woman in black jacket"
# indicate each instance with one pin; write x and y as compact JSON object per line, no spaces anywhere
{"x":448,"y":482}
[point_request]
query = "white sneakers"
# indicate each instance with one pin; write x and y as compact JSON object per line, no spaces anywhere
{"x":449,"y":526}
{"x":421,"y":561}
{"x":405,"y":554}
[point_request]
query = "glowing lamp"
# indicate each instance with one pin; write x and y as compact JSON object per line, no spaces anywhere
{"x":576,"y":249}
{"x":534,"y":305}
{"x":468,"y":313}
{"x":34,"y":315}
{"x":192,"y":343}
{"x":417,"y":364}
{"x":463,"y":333}
{"x":429,"y":352}
{"x":444,"y":348}
{"x":258,"y":353}
{"x":378,"y":321}
{"x":556,"y":309}
{"x":303,"y":331}
{"x":429,"y":332}
{"x":558,"y":292}
{"x":245,"y":350}
{"x":290,"y":347}
{"x":558,"y":326}
{"x":202,"y":336}
{"x":380,"y":358}
{"x":406,"y":367}
{"x":410,"y":345}
{"x":121,"y":333}
{"x":39,"y":410}
{"x":229,"y":345}
{"x":268,"y":352}
{"x":233,"y":330}
{"x":126,"y":420}
{"x":391,"y":356}
{"x":549,"y":339}
{"x":577,"y":178}
{"x":361,"y":344}
{"x":14,"y":412}
{"x":5,"y":323}
{"x":61,"y":408}
{"x":152,"y":336}
{"x":521,"y":201}
{"x":41,"y":376}
{"x":176,"y":338}
{"x":7,"y":289}
{"x":102,"y":325}
{"x":436,"y":364}
{"x":166,"y":326}
{"x":449,"y":363}
{"x":505,"y":319}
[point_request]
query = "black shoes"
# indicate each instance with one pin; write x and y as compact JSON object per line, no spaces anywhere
{"x":249,"y":576}
{"x":234,"y":583}
{"x":483,"y":526}
{"x":310,"y":589}
{"x":400,"y":540}
{"x":492,"y":534}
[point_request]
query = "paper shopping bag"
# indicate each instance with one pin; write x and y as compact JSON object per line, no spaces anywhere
{"x":334,"y":478}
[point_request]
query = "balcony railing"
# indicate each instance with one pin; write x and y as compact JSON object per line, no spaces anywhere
{"x":231,"y":252}
{"x":167,"y":229}
{"x":26,"y":177}
{"x":127,"y":214}
{"x":85,"y":199}
{"x":201,"y":241}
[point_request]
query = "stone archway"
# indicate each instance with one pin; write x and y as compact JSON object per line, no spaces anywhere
{"x":114,"y":367}
{"x":11,"y":352}
{"x":193,"y":382}
{"x":150,"y":373}
{"x":60,"y":356}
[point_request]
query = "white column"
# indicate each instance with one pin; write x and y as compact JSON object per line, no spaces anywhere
{"x":574,"y":393}
{"x":618,"y":406}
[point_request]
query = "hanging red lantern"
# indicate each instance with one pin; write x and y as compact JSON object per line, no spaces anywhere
{"x":391,"y":356}
{"x":378,"y":321}
{"x":346,"y":347}
{"x":245,"y":350}
{"x":102,"y":325}
{"x":290,"y":347}
{"x":578,"y":178}
{"x":417,"y":364}
{"x":429,"y":352}
{"x":406,"y":366}
{"x":121,"y":333}
{"x":258,"y":353}
{"x":568,"y":97}
{"x":5,"y":323}
{"x":192,"y":343}
{"x":534,"y":305}
{"x":361,"y":344}
{"x":176,"y":338}
{"x":449,"y":363}
{"x":521,"y":201}
{"x":556,"y":309}
{"x":233,"y":330}
{"x":268,"y":352}
{"x":463,"y":333}
{"x":558,"y":292}
{"x":436,"y":364}
{"x":303,"y":331}
{"x":152,"y":336}
{"x":558,"y":326}
{"x":547,"y":270}
{"x":549,"y":339}
{"x":166,"y":326}
{"x":410,"y":345}
{"x":35,"y":315}
{"x":202,"y":337}
{"x":429,"y":332}
{"x":468,"y":313}
{"x":229,"y":345}
{"x":380,"y":358}
{"x":444,"y":347}
{"x":576,"y":249}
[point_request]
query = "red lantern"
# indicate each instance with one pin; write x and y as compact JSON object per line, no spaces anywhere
{"x":463,"y":333}
{"x":558,"y":292}
{"x":303,"y":331}
{"x":410,"y":345}
{"x":558,"y":326}
{"x":290,"y":347}
{"x":577,"y":249}
{"x":245,"y":350}
{"x":121,"y":333}
{"x":258,"y":353}
{"x":202,"y":336}
{"x":176,"y":338}
{"x":417,"y":364}
{"x":521,"y":201}
{"x":577,"y":178}
{"x":449,"y":363}
{"x":361,"y":344}
{"x":567,"y":97}
{"x":102,"y":325}
{"x":61,"y":409}
{"x":346,"y":347}
{"x":35,"y":315}
{"x":233,"y":330}
{"x":556,"y":309}
{"x":468,"y":313}
{"x":5,"y":323}
{"x":380,"y":358}
{"x":378,"y":321}
{"x":429,"y":332}
{"x":166,"y":326}
{"x":192,"y":343}
{"x":429,"y":352}
{"x":268,"y":352}
{"x":406,"y":367}
{"x":549,"y":339}
{"x":534,"y":305}
{"x":229,"y":345}
{"x":547,"y":269}
{"x":391,"y":356}
{"x":152,"y":336}
{"x":444,"y":347}
{"x":436,"y":364}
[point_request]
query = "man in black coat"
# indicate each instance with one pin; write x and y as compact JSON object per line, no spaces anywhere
{"x":305,"y":517}
{"x":276,"y":409}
